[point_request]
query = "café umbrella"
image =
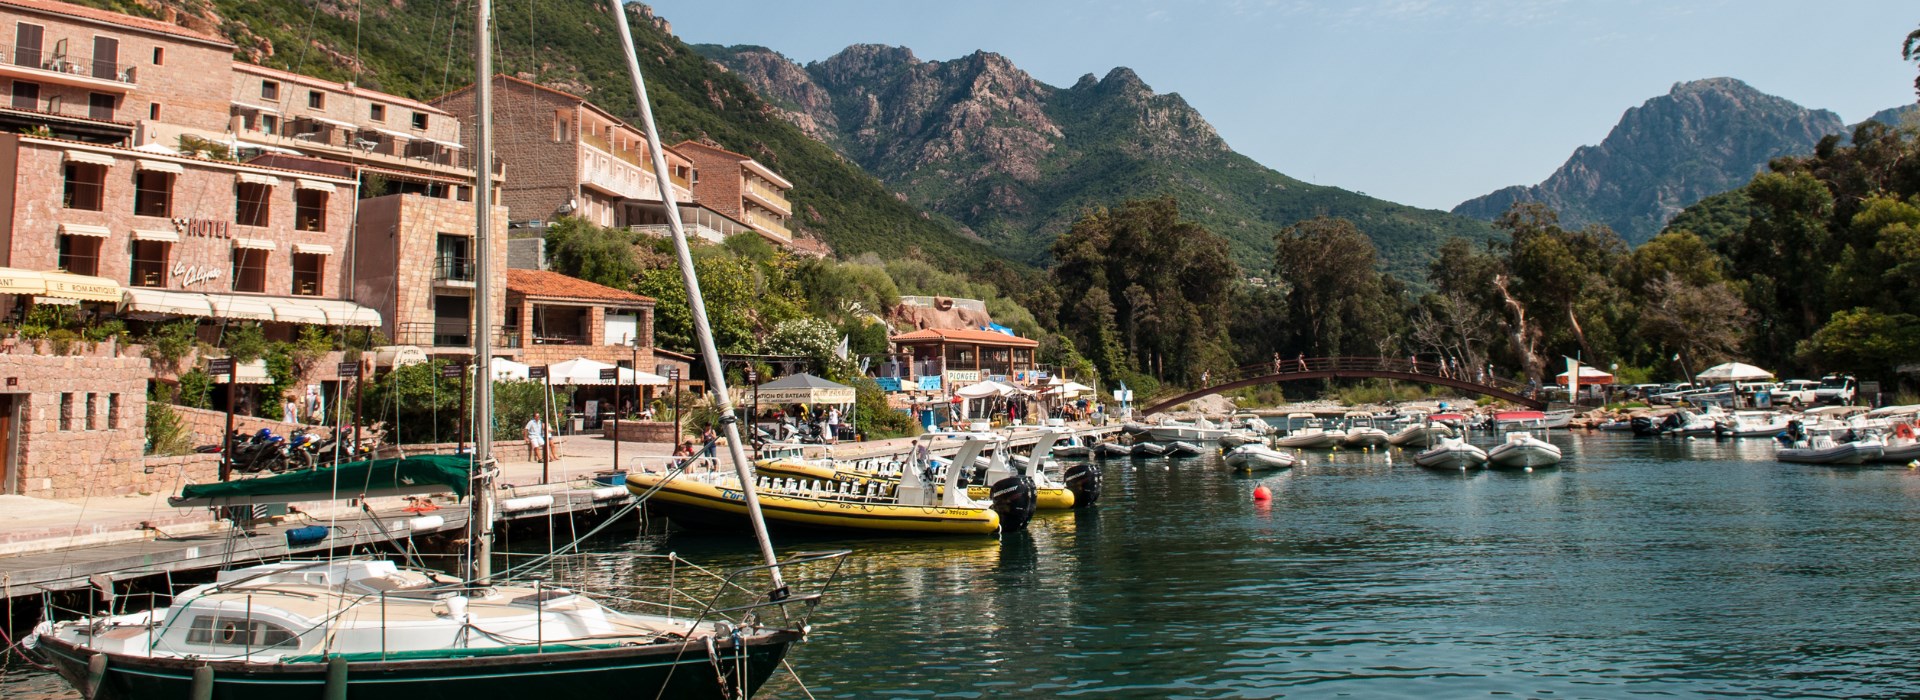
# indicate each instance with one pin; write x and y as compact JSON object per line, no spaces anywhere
{"x":1734,"y":372}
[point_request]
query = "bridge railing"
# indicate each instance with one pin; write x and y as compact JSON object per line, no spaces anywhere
{"x":1354,"y":365}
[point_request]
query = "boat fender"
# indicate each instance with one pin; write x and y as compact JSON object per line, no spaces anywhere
{"x":336,"y":688}
{"x":306,"y":535}
{"x":202,"y":687}
{"x":430,"y":523}
{"x":1015,"y":499}
{"x":96,"y":675}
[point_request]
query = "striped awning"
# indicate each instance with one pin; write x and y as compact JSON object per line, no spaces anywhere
{"x":244,"y":308}
{"x":314,"y":185}
{"x":254,"y":244}
{"x":313,"y":248}
{"x":293,"y":312}
{"x":258,"y":179}
{"x":14,"y":281}
{"x":147,"y":234}
{"x":160,"y":301}
{"x":159,"y":166}
{"x":346,"y":313}
{"x":91,"y":158}
{"x":85,"y":230}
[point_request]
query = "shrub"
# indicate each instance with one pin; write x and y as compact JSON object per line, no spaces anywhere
{"x":166,"y":435}
{"x":196,"y":388}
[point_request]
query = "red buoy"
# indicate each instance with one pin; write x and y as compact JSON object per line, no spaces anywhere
{"x":1261,"y":494}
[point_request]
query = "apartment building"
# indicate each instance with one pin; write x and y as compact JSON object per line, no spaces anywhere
{"x":90,"y":75}
{"x":741,"y":188}
{"x":570,"y":157}
{"x":416,"y":259}
{"x":400,"y":146}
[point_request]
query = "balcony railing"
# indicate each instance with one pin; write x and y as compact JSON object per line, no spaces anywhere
{"x":59,"y":65}
{"x":769,"y":224}
{"x":453,"y":268}
{"x":769,"y":195}
{"x":305,"y":134}
{"x":447,"y":333}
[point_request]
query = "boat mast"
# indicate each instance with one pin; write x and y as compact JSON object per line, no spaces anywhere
{"x":716,"y":375}
{"x":481,"y":521}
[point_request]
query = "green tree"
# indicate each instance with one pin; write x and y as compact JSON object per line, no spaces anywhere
{"x":578,"y":248}
{"x":728,"y":287}
{"x":1337,"y":300}
{"x":1869,"y":342}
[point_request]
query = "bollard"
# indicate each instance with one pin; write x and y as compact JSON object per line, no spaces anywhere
{"x":336,"y":679}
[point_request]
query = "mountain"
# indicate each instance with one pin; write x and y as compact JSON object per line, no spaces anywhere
{"x":423,"y":49}
{"x":1016,"y":160}
{"x":1895,"y":116}
{"x":1702,"y":138}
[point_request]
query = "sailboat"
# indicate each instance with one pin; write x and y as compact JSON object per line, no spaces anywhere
{"x":372,"y":629}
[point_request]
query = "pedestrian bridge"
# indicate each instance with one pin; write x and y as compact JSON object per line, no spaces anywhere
{"x":1356,"y":368}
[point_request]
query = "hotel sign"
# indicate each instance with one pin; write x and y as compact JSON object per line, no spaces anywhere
{"x":194,"y":274}
{"x":203,"y":228}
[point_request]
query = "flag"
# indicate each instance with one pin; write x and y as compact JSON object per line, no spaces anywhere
{"x":841,"y":351}
{"x":1676,"y":357}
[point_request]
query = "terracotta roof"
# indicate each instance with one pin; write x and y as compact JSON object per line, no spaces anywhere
{"x":115,"y":18}
{"x":965,"y":336}
{"x":553,"y":285}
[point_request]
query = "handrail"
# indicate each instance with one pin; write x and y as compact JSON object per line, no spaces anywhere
{"x":1472,"y":379}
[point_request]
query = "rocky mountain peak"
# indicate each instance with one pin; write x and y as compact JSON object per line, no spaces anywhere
{"x":1701,"y":138}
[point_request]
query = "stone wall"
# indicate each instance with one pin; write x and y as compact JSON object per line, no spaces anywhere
{"x":207,"y":427}
{"x":395,"y":253}
{"x":639,"y":431}
{"x":77,"y":421}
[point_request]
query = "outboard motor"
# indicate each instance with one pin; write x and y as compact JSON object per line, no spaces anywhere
{"x":1083,"y":479}
{"x":1015,"y":499}
{"x":1643,"y":426}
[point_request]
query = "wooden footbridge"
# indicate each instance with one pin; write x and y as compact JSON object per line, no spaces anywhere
{"x":1468,"y":380}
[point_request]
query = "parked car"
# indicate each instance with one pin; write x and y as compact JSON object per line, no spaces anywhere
{"x":1796,"y":391}
{"x":1671,"y":392}
{"x":1835,"y":388}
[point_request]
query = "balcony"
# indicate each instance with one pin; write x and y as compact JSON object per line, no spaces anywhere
{"x":448,"y":334}
{"x":692,"y":229}
{"x":39,"y":65}
{"x":453,"y":271}
{"x":341,"y":141}
{"x":767,"y":196}
{"x":769,"y":226}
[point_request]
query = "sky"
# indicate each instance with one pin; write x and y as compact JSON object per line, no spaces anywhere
{"x":1423,"y":102}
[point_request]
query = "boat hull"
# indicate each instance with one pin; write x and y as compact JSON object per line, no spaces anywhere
{"x":1522,"y":456}
{"x":1112,"y":449}
{"x":1184,"y":449}
{"x":1311,"y":441}
{"x":1252,"y":460}
{"x":1232,"y":440}
{"x":1365,"y":437}
{"x":695,"y":503}
{"x":1050,"y":498}
{"x":1842,"y":454}
{"x":672,"y":670}
{"x":1420,"y":435}
{"x":1453,"y":459}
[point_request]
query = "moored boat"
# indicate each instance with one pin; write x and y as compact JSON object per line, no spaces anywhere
{"x":1257,"y":457}
{"x":1822,"y":449}
{"x":1452,"y":453}
{"x":1201,"y":430}
{"x":1112,"y":448}
{"x":1232,"y":440}
{"x":1182,"y":448}
{"x":1149,"y":449}
{"x":1361,"y":431}
{"x":1420,"y":433}
{"x":1305,"y":430}
{"x":1050,"y":493}
{"x":1522,"y":450}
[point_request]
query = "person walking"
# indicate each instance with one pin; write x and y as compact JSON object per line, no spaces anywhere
{"x":708,"y":438}
{"x":536,"y":439}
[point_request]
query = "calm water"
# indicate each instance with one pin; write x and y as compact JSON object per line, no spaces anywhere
{"x":1642,"y":567}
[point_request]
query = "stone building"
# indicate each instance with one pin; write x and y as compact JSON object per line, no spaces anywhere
{"x":569,"y":157}
{"x":415,"y":259}
{"x":61,"y":413}
{"x":553,"y":318}
{"x":103,"y":77}
{"x":741,"y":188}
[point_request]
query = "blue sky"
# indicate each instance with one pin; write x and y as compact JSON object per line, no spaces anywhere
{"x":1424,"y":102}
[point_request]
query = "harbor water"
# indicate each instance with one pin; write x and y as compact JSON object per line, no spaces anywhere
{"x":1639,"y":567}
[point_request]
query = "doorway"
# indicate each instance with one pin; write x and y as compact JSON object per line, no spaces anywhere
{"x":9,"y":442}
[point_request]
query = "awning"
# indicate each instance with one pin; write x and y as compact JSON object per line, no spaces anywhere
{"x":803,"y":388}
{"x":258,"y":179}
{"x":313,"y":248}
{"x":70,"y":286}
{"x":254,"y":107}
{"x":290,"y":312}
{"x":448,"y":144}
{"x":396,"y":134}
{"x":245,"y":308}
{"x":153,"y":235}
{"x":314,"y":185}
{"x":157,"y":301}
{"x":324,"y":120}
{"x":86,"y":230}
{"x":160,"y":166}
{"x":21,"y":281}
{"x":90,"y":158}
{"x":254,"y":244}
{"x":346,"y":313}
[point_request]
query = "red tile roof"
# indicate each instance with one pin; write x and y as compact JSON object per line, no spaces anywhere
{"x":957,"y":335}
{"x":553,"y":285}
{"x":115,"y":18}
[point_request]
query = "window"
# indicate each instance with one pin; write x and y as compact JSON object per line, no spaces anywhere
{"x":419,"y":120}
{"x":249,"y":270}
{"x":453,"y":258}
{"x":310,"y":210}
{"x":239,"y":632}
{"x":100,"y":106}
{"x":269,"y":124}
{"x":316,"y":99}
{"x":377,"y":113}
{"x":66,"y":411}
{"x":153,"y":111}
{"x":269,"y":90}
{"x":85,"y":187}
{"x":26,"y":95}
{"x":152,"y":193}
{"x":106,"y":57}
{"x":307,"y":271}
{"x":159,"y":59}
{"x":80,"y":255}
{"x":149,"y":264}
{"x":113,"y":411}
{"x":92,"y":409}
{"x":559,"y":129}
{"x":252,"y":204}
{"x":26,"y":45}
